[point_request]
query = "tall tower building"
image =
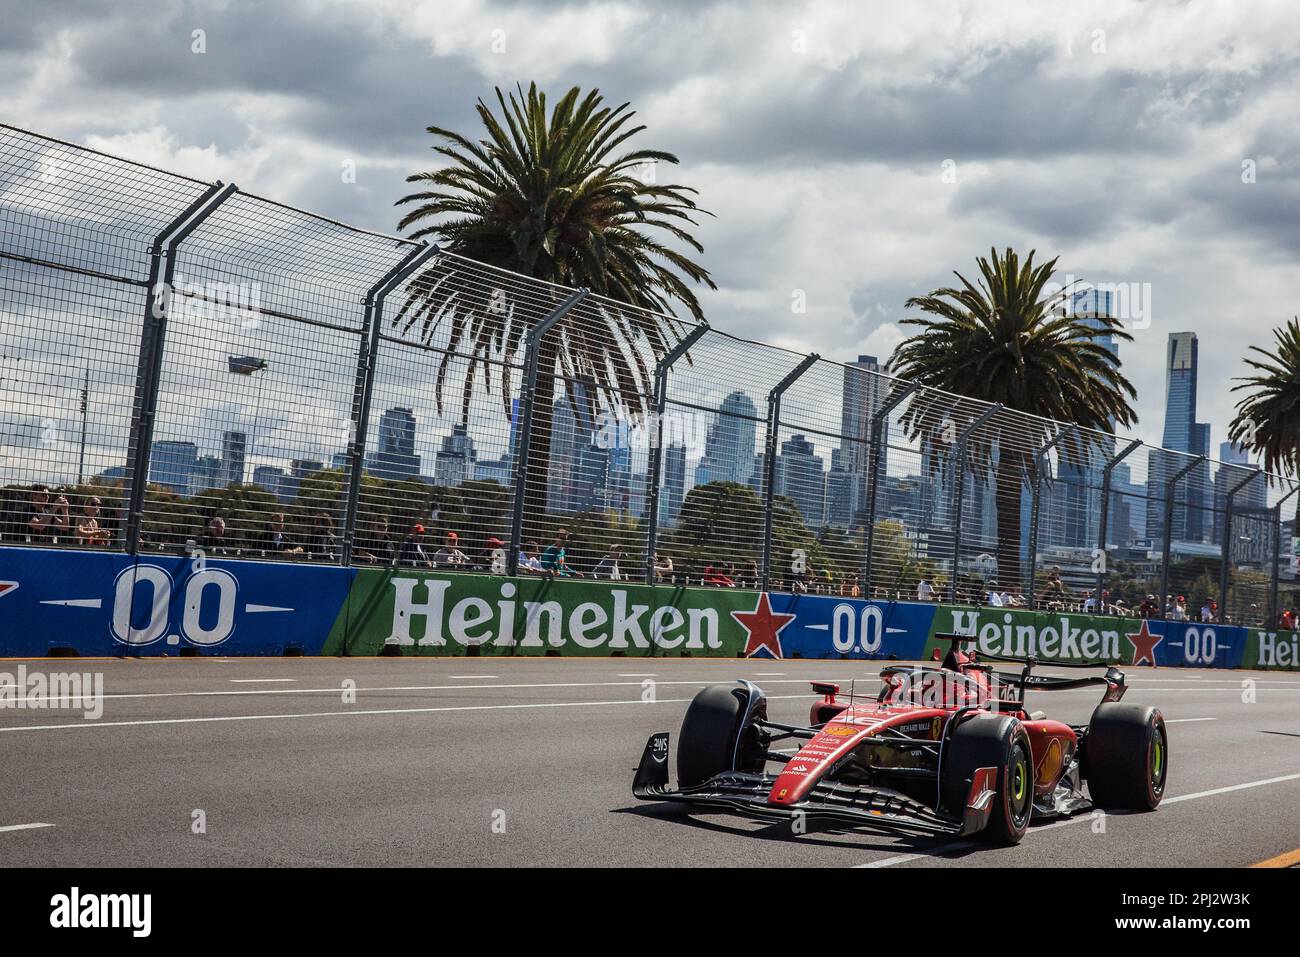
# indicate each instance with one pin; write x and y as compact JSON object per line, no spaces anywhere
{"x":674,"y":487}
{"x":729,"y":447}
{"x":456,"y":457}
{"x":1182,"y":433}
{"x":862,"y":397}
{"x":233,"y":445}
{"x":801,"y":478}
{"x":394,"y":455}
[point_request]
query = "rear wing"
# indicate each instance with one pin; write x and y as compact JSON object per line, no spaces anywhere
{"x":1026,"y":680}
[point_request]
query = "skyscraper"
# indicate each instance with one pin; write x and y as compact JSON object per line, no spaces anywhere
{"x":729,"y":447}
{"x":571,"y":432}
{"x":394,"y":454}
{"x":233,"y":445}
{"x":456,"y":458}
{"x":1072,"y":521}
{"x":172,"y":464}
{"x":1249,"y":532}
{"x":1182,"y":433}
{"x":863,"y":395}
{"x":674,"y":487}
{"x":801,"y":478}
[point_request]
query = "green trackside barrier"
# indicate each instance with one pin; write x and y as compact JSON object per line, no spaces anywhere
{"x":1076,"y":638}
{"x":402,"y":611}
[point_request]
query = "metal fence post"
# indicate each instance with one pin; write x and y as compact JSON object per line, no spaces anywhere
{"x":1226,"y":553}
{"x":959,"y":493}
{"x":769,"y":459}
{"x":1105,"y":518}
{"x":162,"y":261}
{"x":1036,"y":493}
{"x":876,"y":462}
{"x":655,"y":466}
{"x":363,"y":389}
{"x":1169,"y":523}
{"x":1277,"y":548}
{"x":524,"y":432}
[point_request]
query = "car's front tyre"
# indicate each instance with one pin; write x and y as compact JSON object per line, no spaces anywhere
{"x":718,"y":733}
{"x":992,"y":742}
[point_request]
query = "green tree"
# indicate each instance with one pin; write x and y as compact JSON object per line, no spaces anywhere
{"x":555,"y":196}
{"x":720,"y":525}
{"x":1268,"y":415}
{"x":1006,"y":339}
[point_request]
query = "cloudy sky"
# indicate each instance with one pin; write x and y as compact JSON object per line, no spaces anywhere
{"x":858,"y":152}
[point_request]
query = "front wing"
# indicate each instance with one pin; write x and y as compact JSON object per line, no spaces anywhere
{"x":854,"y":805}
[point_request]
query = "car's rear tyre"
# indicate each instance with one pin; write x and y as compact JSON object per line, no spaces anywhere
{"x":1126,"y":757}
{"x":707,"y":744}
{"x":998,"y":742}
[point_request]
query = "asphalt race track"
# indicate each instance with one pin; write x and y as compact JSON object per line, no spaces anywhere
{"x":519,"y":762}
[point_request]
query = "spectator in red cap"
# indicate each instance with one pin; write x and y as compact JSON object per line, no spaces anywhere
{"x":413,"y":549}
{"x":494,"y":556}
{"x":450,"y":555}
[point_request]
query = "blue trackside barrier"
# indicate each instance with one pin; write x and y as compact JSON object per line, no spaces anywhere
{"x":96,"y":603}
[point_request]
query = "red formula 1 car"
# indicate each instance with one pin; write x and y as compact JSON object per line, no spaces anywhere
{"x":949,"y":750}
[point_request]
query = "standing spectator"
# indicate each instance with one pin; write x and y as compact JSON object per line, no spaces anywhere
{"x":850,"y":588}
{"x":375,"y":543}
{"x":321,"y":541}
{"x":528,"y":560}
{"x":412,"y":551}
{"x":663,"y":568}
{"x":88,"y":530}
{"x":450,"y":555}
{"x":494,"y":556}
{"x":924,"y":590}
{"x":1054,"y":590}
{"x":214,"y":536}
{"x":1149,"y":608}
{"x":608,"y":566}
{"x":1207,"y":614}
{"x":46,"y":520}
{"x":1179,"y":611}
{"x":274,"y":539}
{"x":553,"y":560}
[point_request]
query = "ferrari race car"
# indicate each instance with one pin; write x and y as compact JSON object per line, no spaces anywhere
{"x":946,"y":751}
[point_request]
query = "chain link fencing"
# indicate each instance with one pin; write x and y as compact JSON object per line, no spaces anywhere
{"x":190,"y":368}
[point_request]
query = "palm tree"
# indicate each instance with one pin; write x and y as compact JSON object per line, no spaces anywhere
{"x":1005,"y":340}
{"x":555,"y":197}
{"x":1268,"y":417}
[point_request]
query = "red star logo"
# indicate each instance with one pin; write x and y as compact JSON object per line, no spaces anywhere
{"x":1144,"y":645}
{"x":764,"y":627}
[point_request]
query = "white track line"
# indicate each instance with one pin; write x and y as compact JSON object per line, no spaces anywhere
{"x":253,"y":681}
{"x":347,"y":714}
{"x":963,"y":845}
{"x":336,"y":688}
{"x":1186,"y":720}
{"x":23,"y":827}
{"x":564,"y":684}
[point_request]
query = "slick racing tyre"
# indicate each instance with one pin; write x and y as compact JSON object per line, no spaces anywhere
{"x":712,"y":739}
{"x":1126,"y":757}
{"x":999,"y":742}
